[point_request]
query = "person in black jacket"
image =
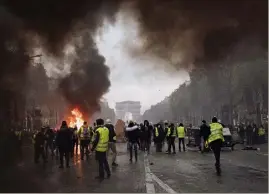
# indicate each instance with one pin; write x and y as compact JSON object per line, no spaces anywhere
{"x":74,"y":141}
{"x":204,"y":134}
{"x":112,"y":141}
{"x":133,"y":135}
{"x":159,"y":136}
{"x":64,"y":143}
{"x":172,"y":137}
{"x":39,"y":145}
{"x":140,"y":138}
{"x":147,"y":131}
{"x":49,"y":141}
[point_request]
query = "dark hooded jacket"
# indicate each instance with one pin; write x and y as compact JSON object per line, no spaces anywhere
{"x":146,"y":131}
{"x":204,"y":131}
{"x":64,"y":139}
{"x":112,"y":133}
{"x":132,"y":132}
{"x":40,"y":139}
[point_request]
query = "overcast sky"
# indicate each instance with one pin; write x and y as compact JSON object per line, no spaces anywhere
{"x":134,"y":78}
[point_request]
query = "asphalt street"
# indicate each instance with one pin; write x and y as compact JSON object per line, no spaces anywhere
{"x":188,"y":172}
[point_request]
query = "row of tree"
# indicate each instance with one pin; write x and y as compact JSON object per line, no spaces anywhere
{"x":234,"y":89}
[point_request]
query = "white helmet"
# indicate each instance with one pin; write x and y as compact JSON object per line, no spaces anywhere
{"x":108,"y":121}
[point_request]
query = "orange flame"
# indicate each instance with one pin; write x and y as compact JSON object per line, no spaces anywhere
{"x":76,"y":119}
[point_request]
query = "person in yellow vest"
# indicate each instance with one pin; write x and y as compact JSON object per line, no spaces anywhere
{"x":167,"y":134}
{"x":215,"y":140}
{"x":84,"y":135}
{"x":100,"y":145}
{"x":261,"y":134}
{"x":158,"y":135}
{"x":173,"y":134}
{"x":18,"y":134}
{"x":181,"y":137}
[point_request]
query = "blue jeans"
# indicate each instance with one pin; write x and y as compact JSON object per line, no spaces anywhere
{"x":133,"y":146}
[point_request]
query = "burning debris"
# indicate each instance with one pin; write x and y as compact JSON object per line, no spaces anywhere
{"x":76,"y":119}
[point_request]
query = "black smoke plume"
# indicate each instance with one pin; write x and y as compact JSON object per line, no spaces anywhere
{"x":165,"y":25}
{"x":193,"y":29}
{"x":13,"y":52}
{"x":88,"y":80}
{"x":60,"y":22}
{"x":200,"y":29}
{"x":54,"y":20}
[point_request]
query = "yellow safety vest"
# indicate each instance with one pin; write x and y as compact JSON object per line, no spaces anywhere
{"x":180,"y":132}
{"x":206,"y":144}
{"x":174,"y":132}
{"x":84,"y":132}
{"x":216,"y":132}
{"x":93,"y":135}
{"x":18,"y":134}
{"x":168,"y":131}
{"x":261,"y":131}
{"x":33,"y":138}
{"x":102,"y":145}
{"x":156,"y":132}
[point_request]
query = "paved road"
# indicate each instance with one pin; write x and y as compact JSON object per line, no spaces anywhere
{"x":243,"y":171}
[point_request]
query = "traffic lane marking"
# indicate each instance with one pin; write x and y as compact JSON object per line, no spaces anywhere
{"x":149,"y":181}
{"x":151,"y":176}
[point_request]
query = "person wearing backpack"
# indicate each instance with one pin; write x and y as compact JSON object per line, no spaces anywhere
{"x":84,"y":135}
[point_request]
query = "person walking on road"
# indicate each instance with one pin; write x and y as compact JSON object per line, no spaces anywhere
{"x":173,"y":134}
{"x":158,"y":137}
{"x":18,"y":133}
{"x":204,"y":133}
{"x":64,"y":143}
{"x":100,"y":145}
{"x":215,"y":140}
{"x":132,"y":135}
{"x":39,"y":145}
{"x":140,"y":142}
{"x":167,"y":134}
{"x":84,"y":135}
{"x":261,"y":135}
{"x":249,"y":133}
{"x":181,"y":137}
{"x":75,"y":141}
{"x":49,"y":141}
{"x":112,"y":141}
{"x":148,"y":129}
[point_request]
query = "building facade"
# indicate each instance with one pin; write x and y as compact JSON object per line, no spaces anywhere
{"x":105,"y":112}
{"x":127,"y":107}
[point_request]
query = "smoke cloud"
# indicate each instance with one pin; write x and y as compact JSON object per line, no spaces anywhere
{"x":182,"y":31}
{"x":88,"y":80}
{"x":57,"y":23}
{"x":54,"y":21}
{"x":166,"y":26}
{"x":13,"y":53}
{"x":200,"y":30}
